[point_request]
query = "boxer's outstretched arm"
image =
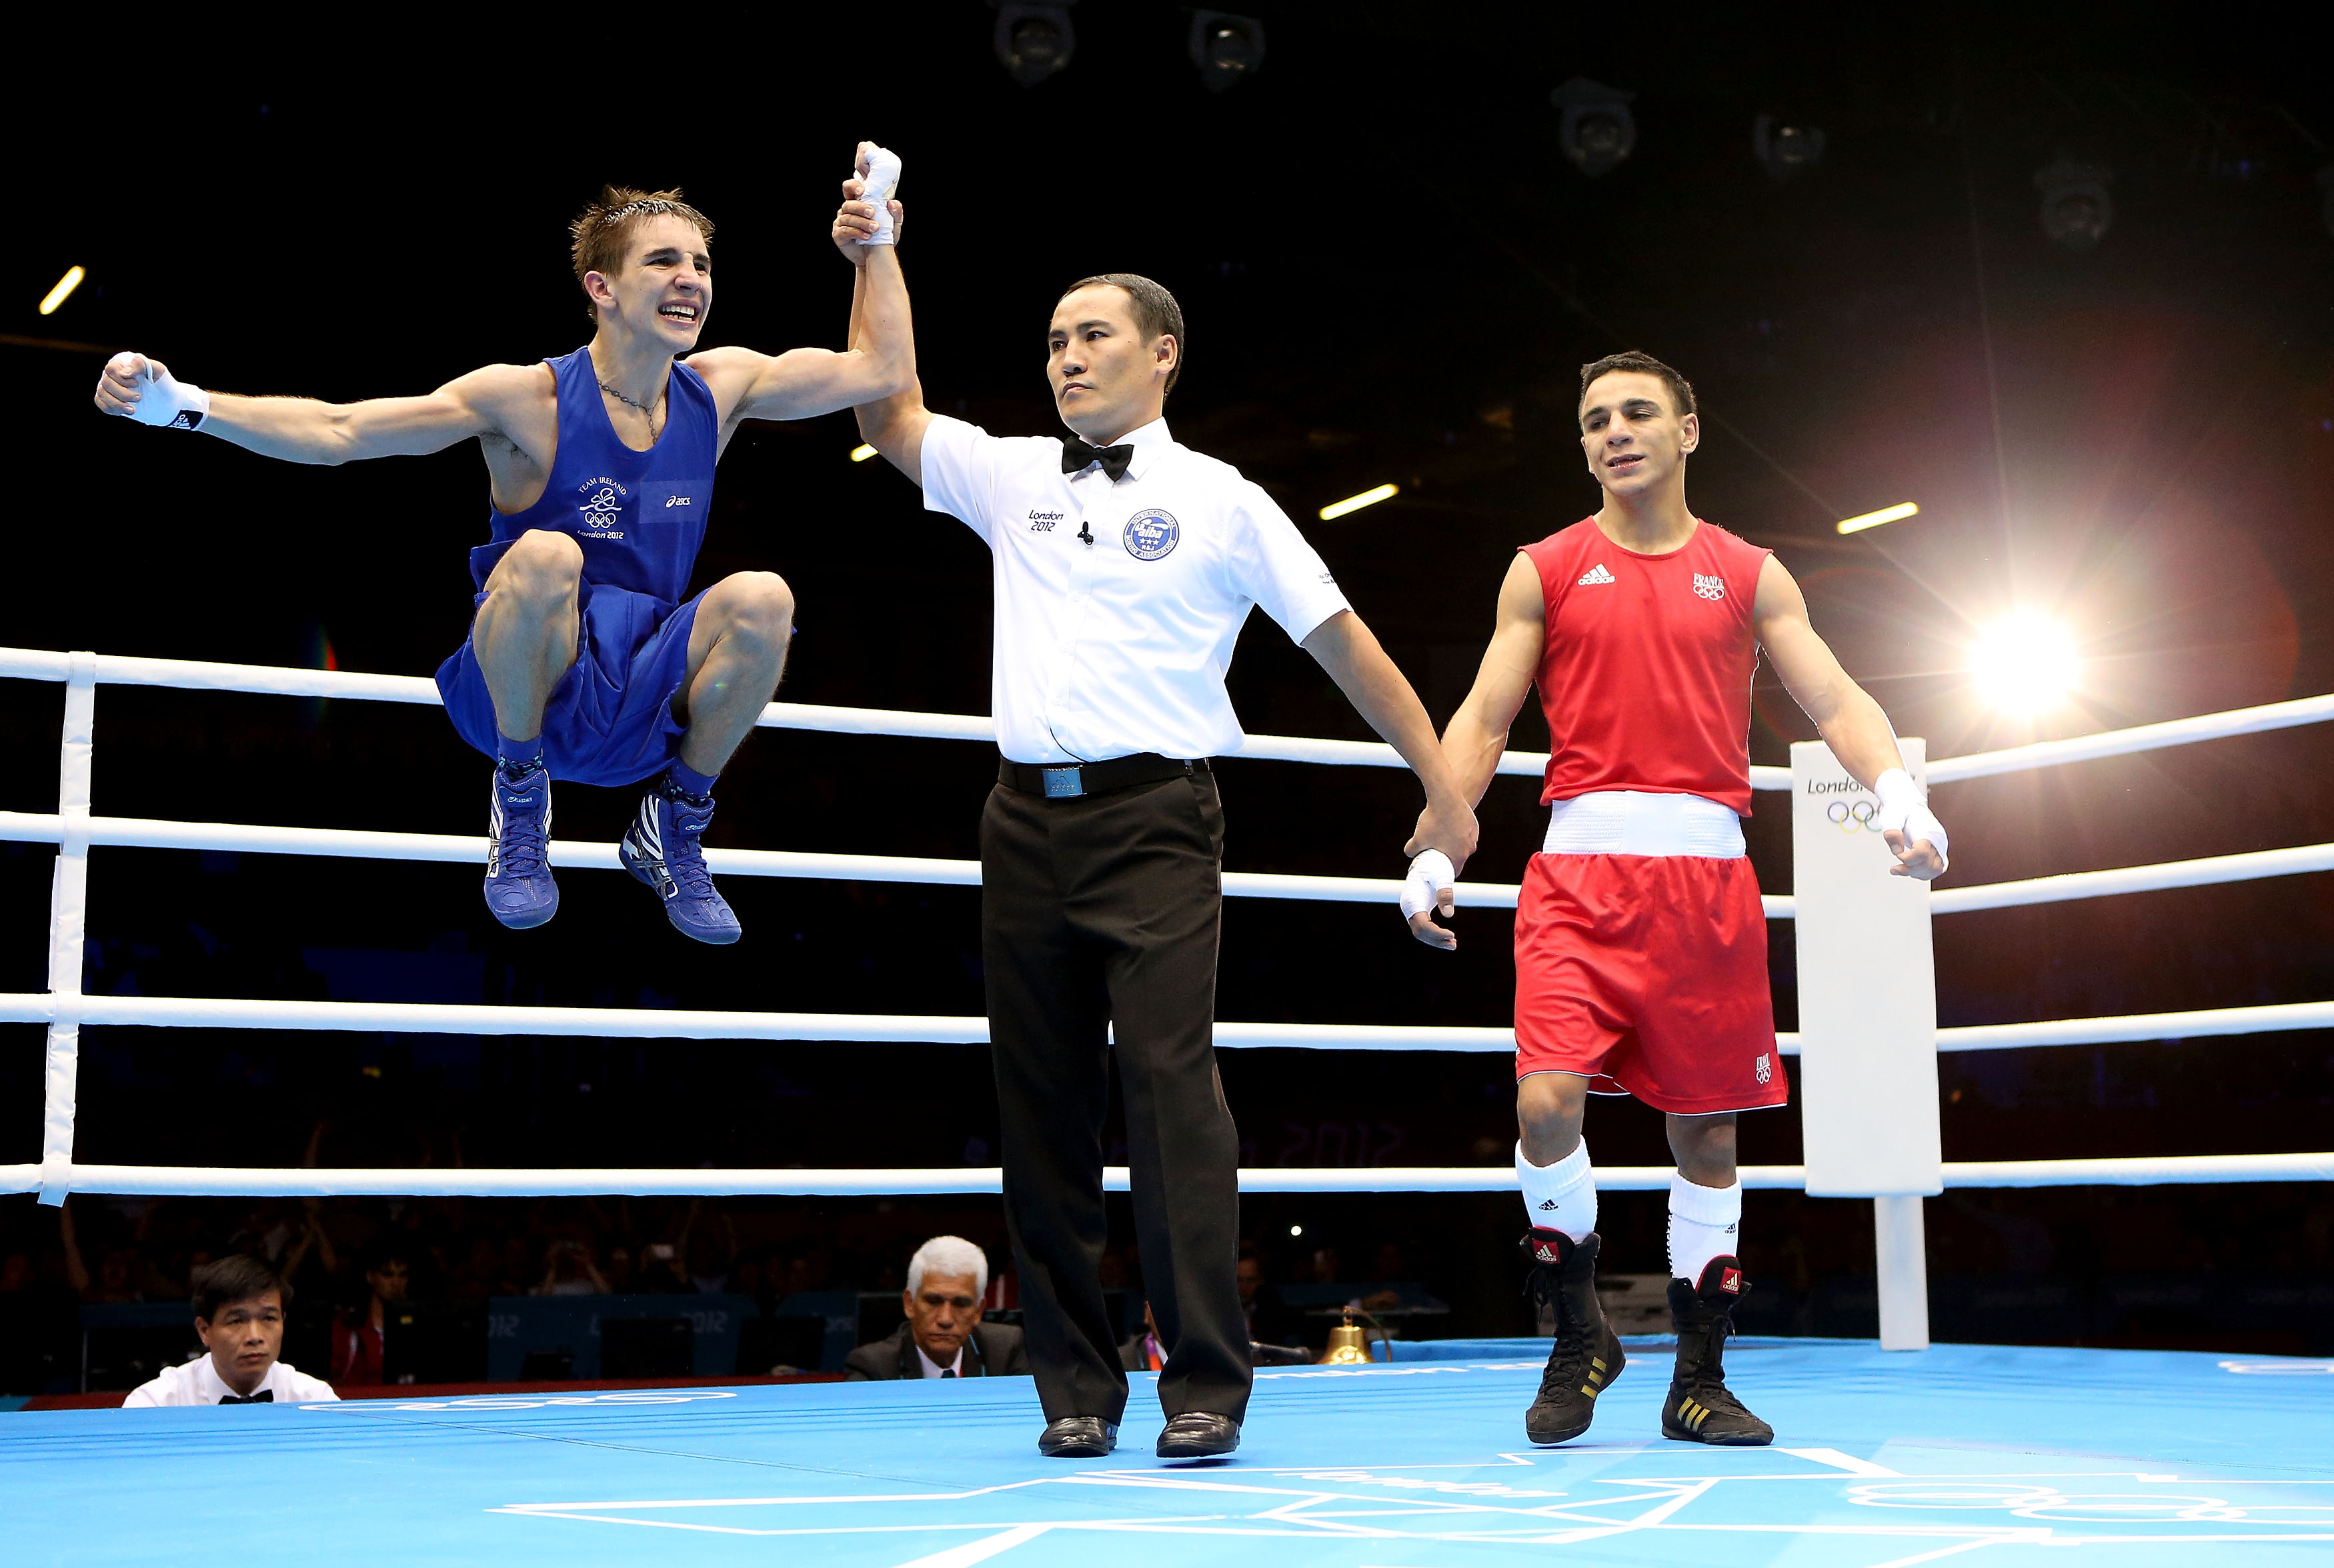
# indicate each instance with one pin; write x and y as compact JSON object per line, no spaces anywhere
{"x":1850,"y":722}
{"x":305,"y":430}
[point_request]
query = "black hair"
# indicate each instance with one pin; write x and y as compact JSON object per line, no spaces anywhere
{"x":1156,"y":314}
{"x":234,"y":1279}
{"x":1681,"y":390}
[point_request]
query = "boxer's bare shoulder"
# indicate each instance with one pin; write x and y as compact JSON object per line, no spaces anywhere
{"x":518,"y":406}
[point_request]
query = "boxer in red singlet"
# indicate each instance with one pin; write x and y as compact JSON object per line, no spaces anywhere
{"x":1641,"y":949}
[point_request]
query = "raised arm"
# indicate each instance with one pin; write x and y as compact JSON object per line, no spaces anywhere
{"x":881,"y":357}
{"x":1478,"y":733}
{"x":1850,"y":722}
{"x":894,"y":423}
{"x":305,"y":430}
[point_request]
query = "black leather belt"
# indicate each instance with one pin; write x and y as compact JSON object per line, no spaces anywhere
{"x":1072,"y":780}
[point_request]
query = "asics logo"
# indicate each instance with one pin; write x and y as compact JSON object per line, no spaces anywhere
{"x":1594,"y":576}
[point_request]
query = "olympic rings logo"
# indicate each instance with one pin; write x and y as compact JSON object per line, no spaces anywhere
{"x":1854,"y":818}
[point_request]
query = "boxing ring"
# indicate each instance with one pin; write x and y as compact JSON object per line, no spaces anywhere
{"x":1962,"y":1449}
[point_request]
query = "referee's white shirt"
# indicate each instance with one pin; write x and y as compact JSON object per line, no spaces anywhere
{"x":198,"y":1382}
{"x":1120,"y":646}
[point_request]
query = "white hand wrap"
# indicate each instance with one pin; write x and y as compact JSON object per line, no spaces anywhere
{"x":164,"y":401}
{"x":1904,"y":810}
{"x":1431,"y":876}
{"x":882,"y":179}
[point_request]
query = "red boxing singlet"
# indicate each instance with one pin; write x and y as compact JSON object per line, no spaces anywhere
{"x":1645,"y":664}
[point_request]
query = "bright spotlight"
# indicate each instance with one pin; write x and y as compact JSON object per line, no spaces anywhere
{"x":1296,"y":1230}
{"x":1337,"y":509}
{"x":2025,"y":664}
{"x":862,"y":452}
{"x":1862,"y":520}
{"x":65,"y":286}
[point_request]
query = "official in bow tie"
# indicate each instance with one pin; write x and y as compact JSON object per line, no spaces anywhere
{"x":1077,"y":457}
{"x":239,"y":1304}
{"x":1124,"y":564}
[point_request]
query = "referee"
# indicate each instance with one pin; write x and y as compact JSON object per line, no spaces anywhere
{"x":1124,"y":564}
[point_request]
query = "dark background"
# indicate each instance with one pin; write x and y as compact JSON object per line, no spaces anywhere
{"x":1390,"y":272}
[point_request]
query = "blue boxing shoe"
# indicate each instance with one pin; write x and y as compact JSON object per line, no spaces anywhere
{"x":664,"y":848}
{"x":519,"y":889}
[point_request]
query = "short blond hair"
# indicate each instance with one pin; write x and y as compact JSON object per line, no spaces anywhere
{"x":604,"y":228}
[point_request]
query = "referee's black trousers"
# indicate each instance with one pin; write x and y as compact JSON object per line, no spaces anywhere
{"x":1097,"y":912}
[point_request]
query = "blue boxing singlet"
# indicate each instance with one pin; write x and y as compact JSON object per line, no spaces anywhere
{"x":640,"y":516}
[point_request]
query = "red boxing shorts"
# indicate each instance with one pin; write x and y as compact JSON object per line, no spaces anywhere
{"x":1647,"y":975}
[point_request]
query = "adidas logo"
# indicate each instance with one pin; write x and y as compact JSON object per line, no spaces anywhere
{"x":1594,"y":575}
{"x":1548,"y":1203}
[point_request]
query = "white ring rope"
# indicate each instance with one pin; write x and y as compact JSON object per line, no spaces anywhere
{"x":65,"y":1009}
{"x":155,"y":834}
{"x":146,"y":832}
{"x":937,"y":1028}
{"x":312,"y":1181}
{"x":2139,"y":737}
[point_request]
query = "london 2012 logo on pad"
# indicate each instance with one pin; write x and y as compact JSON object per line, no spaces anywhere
{"x":1151,"y":535}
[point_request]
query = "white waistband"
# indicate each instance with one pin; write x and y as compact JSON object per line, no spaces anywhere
{"x":1636,"y":822}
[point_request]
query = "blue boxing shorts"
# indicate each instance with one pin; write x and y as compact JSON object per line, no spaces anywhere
{"x":609,"y":721}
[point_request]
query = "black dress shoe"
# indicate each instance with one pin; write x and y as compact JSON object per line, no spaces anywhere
{"x":1078,"y":1437}
{"x":1198,"y":1434}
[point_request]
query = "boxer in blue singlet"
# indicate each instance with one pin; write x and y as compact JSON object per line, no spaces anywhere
{"x":584,"y":663}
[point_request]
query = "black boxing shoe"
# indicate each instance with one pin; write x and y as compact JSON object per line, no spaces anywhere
{"x":1700,"y":1408}
{"x":1078,"y":1437}
{"x":1586,"y":1356}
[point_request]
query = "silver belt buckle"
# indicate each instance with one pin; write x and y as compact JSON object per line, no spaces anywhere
{"x":1063,"y":783}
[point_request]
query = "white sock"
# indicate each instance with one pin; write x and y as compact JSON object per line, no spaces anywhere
{"x":1560,"y":1197}
{"x":1703,"y":1221}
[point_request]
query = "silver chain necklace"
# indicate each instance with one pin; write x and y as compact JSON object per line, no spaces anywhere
{"x":647,"y":409}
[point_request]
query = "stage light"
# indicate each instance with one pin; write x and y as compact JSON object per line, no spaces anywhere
{"x":1785,"y":151}
{"x":58,"y":294}
{"x":2025,"y":663}
{"x":1337,"y":509}
{"x":862,"y":452}
{"x":1227,"y":49}
{"x":1597,"y":131}
{"x":1034,"y":41}
{"x":2076,"y":210}
{"x":1858,"y":524}
{"x":1296,"y":1230}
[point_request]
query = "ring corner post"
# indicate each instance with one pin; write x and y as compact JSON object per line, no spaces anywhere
{"x":1900,"y":1246}
{"x":68,"y":928}
{"x":1868,"y":1026}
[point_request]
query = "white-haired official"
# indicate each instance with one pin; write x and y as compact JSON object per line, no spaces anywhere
{"x":943,"y":1336}
{"x":1123,"y":566}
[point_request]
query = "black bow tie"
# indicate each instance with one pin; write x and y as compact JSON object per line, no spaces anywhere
{"x":264,"y":1397}
{"x":1076,"y":455}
